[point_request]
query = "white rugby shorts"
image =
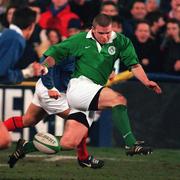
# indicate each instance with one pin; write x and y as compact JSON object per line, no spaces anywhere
{"x":81,"y":92}
{"x":50,"y":105}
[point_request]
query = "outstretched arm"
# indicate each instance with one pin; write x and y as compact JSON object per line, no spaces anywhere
{"x":45,"y":64}
{"x":139,"y":73}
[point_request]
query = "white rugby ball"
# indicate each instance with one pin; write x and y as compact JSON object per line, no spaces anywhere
{"x":46,"y":143}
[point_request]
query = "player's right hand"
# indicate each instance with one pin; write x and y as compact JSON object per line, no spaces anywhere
{"x":54,"y":93}
{"x":42,"y":70}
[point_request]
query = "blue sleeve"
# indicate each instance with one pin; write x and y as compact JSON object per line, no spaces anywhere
{"x":12,"y":53}
{"x":47,"y":79}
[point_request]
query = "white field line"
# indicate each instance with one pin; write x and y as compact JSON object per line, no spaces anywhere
{"x":53,"y":158}
{"x":4,"y":165}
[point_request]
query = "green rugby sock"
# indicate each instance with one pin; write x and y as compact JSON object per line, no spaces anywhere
{"x":29,"y":147}
{"x":121,"y":121}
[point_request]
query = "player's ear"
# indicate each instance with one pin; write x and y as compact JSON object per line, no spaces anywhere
{"x":93,"y":28}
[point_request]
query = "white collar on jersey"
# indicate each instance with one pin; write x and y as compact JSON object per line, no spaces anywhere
{"x":113,"y":36}
{"x":16,"y":28}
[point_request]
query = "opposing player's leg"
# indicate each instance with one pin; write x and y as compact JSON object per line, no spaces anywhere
{"x":5,"y":139}
{"x":74,"y":137}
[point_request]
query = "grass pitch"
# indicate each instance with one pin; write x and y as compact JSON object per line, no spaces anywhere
{"x":161,"y":165}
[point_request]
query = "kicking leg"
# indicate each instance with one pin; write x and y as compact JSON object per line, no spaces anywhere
{"x":118,"y":103}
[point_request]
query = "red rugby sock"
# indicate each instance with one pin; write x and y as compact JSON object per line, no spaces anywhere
{"x":14,"y":123}
{"x":82,"y":150}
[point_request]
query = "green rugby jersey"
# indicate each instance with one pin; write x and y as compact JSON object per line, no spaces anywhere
{"x":93,"y":60}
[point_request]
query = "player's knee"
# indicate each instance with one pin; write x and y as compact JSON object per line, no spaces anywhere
{"x":118,"y":100}
{"x":69,"y":143}
{"x":121,"y":100}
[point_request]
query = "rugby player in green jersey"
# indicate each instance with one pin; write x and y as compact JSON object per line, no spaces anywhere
{"x":96,"y":52}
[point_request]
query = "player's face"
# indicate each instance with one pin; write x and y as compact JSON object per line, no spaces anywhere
{"x":102,"y":34}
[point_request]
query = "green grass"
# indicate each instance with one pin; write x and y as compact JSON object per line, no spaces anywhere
{"x":161,"y":165}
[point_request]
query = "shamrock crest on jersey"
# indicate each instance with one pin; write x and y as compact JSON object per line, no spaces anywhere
{"x":111,"y":50}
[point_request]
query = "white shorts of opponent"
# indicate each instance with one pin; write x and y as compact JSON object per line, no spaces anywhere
{"x":81,"y":92}
{"x":54,"y":106}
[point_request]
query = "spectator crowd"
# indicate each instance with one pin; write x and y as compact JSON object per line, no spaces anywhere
{"x":152,"y":25}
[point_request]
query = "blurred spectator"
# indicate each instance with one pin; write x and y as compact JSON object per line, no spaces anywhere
{"x":123,"y":7}
{"x":146,"y":48}
{"x":12,"y":43}
{"x":152,"y":5}
{"x":74,"y":27}
{"x":117,"y":24}
{"x":157,"y":24}
{"x":57,"y":17}
{"x":171,"y":47}
{"x":138,"y":12}
{"x":53,"y":36}
{"x":35,"y":37}
{"x":110,"y":8}
{"x":6,"y":18}
{"x":3,"y":4}
{"x":86,"y":10}
{"x":174,"y":5}
{"x":177,"y":13}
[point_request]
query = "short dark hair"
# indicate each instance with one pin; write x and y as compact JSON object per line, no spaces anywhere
{"x":141,"y":22}
{"x":173,"y":21}
{"x":154,"y":17}
{"x":24,"y":17}
{"x":102,"y":20}
{"x":106,"y":3}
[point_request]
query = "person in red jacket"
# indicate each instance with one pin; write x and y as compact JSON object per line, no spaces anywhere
{"x":57,"y":17}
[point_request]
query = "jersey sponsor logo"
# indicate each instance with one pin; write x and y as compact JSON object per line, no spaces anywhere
{"x":86,"y":47}
{"x":111,"y":50}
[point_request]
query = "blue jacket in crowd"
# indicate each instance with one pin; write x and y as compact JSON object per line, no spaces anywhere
{"x":12,"y":45}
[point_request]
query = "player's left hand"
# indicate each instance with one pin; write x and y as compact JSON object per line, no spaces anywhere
{"x":54,"y":93}
{"x":154,"y":86}
{"x":112,"y":76}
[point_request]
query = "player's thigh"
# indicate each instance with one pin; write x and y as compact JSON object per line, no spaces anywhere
{"x":33,"y":115}
{"x":73,"y":134}
{"x":110,"y":98}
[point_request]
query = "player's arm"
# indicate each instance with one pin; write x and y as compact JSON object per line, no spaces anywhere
{"x":48,"y":82}
{"x":130,"y":59}
{"x":139,"y":73}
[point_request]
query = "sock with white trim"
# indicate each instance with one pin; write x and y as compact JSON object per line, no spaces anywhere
{"x":121,"y":121}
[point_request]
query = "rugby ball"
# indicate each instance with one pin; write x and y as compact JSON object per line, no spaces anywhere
{"x":46,"y":143}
